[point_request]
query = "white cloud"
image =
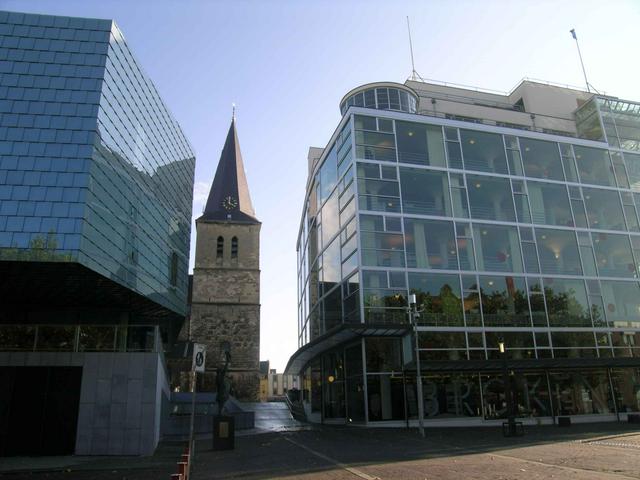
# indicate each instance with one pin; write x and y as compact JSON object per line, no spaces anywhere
{"x":200,"y":194}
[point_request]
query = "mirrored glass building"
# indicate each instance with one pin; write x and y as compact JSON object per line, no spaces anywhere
{"x":512,"y":218}
{"x":96,"y":180}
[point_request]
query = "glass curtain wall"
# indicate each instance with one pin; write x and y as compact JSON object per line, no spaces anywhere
{"x":514,"y":237}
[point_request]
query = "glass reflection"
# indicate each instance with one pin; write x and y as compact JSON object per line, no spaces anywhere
{"x":490,"y":198}
{"x":558,"y":251}
{"x":581,"y":393}
{"x":483,"y":151}
{"x":497,"y":247}
{"x":438,"y":297}
{"x":430,"y":244}
{"x":567,"y":302}
{"x":541,"y":159}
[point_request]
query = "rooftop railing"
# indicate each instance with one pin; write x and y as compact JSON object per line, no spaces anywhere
{"x":80,"y":338}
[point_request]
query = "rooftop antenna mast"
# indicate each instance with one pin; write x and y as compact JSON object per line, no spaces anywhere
{"x":573,"y":34}
{"x":414,"y":75}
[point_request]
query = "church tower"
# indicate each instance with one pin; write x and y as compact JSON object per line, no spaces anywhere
{"x":225,"y":308}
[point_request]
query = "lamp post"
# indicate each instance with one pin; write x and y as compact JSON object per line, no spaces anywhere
{"x":511,"y":420}
{"x":413,"y":318}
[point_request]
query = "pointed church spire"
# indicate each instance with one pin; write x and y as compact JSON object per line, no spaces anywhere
{"x":229,"y":198}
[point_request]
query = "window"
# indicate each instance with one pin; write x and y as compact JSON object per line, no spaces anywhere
{"x":378,"y":188}
{"x":541,"y":159}
{"x":380,"y":248}
{"x":613,"y":255}
{"x":454,"y":155}
{"x":420,"y":144}
{"x":549,"y":204}
{"x":375,"y":139}
{"x":504,"y":301}
{"x":567,"y":302}
{"x":622,"y":300}
{"x":234,"y":247}
{"x":633,"y":168}
{"x":483,"y":151}
{"x":604,"y":209}
{"x":558,"y":250}
{"x":594,"y":166}
{"x":425,"y":192}
{"x":490,"y":198}
{"x":497,"y":247}
{"x":438,"y":297}
{"x":513,"y":155}
{"x":220,"y":247}
{"x":430,"y":244}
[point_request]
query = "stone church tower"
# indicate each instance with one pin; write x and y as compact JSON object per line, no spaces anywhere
{"x":226,"y":278}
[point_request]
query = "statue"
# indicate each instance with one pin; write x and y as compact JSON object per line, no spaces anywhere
{"x":223,"y":384}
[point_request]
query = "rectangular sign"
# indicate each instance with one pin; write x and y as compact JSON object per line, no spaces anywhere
{"x":199,"y":356}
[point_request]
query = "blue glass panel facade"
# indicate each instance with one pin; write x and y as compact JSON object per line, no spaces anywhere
{"x":93,"y":167}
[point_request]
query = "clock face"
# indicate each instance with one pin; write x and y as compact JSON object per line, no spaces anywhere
{"x":229,"y":203}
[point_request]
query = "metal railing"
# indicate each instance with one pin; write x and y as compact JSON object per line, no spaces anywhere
{"x":80,"y":338}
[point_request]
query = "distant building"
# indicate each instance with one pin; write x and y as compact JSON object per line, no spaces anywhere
{"x":275,"y":385}
{"x":264,"y":380}
{"x":96,"y":182}
{"x":513,"y":219}
{"x":225,"y":307}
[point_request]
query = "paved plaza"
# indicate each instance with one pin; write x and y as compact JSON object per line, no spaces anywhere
{"x":281,"y":448}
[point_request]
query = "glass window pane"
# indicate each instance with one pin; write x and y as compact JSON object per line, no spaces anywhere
{"x":549,"y":204}
{"x":594,"y":166}
{"x":504,"y":301}
{"x":604,"y":209}
{"x":497,"y":247}
{"x":490,"y":198}
{"x":567,"y":302}
{"x":453,"y":154}
{"x":483,"y":151}
{"x":541,"y":159}
{"x":438,"y":295}
{"x":558,"y":250}
{"x":430,"y":244}
{"x":421,"y":144}
{"x":622,"y":302}
{"x":425,"y":192}
{"x":613,"y":255}
{"x":632,"y":161}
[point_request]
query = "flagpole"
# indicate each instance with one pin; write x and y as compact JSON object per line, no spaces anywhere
{"x":573,"y":34}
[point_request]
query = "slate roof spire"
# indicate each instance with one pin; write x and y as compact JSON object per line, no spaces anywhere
{"x":229,"y":198}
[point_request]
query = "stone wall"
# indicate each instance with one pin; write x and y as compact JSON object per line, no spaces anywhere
{"x":226,"y":303}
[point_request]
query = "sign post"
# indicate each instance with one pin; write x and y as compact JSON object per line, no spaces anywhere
{"x":197,"y":365}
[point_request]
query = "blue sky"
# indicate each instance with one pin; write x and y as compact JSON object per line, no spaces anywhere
{"x":287,"y":64}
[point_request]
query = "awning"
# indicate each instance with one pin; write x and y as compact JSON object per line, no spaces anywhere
{"x":337,"y":336}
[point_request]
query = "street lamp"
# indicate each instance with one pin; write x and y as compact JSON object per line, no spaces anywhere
{"x":414,"y":314}
{"x":511,"y":420}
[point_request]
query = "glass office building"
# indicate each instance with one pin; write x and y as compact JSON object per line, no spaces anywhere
{"x":96,"y":180}
{"x":511,"y":217}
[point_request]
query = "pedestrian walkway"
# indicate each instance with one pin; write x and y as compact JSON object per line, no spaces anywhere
{"x":272,"y":417}
{"x":581,"y":452}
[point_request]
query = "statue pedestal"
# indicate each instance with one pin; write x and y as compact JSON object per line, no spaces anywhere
{"x":223,"y":432}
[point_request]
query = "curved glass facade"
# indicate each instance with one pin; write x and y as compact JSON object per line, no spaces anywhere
{"x":382,"y":98}
{"x":501,"y":235}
